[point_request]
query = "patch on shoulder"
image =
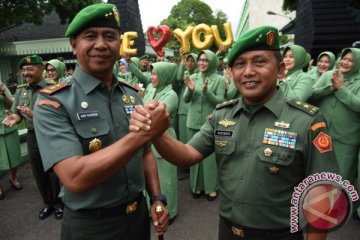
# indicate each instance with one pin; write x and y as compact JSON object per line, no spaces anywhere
{"x":227,"y":103}
{"x":21,"y":85}
{"x":53,"y":103}
{"x":306,"y":107}
{"x":54,"y":88}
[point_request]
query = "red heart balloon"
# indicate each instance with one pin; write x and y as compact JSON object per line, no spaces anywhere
{"x":157,"y":44}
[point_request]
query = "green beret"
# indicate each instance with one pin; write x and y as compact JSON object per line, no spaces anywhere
{"x":144,"y":57}
{"x":96,"y":15}
{"x":261,"y":38}
{"x":30,"y":60}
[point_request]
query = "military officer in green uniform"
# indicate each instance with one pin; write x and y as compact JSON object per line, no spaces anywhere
{"x":22,"y":108}
{"x":265,"y":145}
{"x":83,"y":134}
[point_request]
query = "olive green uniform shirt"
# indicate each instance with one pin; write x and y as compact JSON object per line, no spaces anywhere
{"x":88,"y":110}
{"x":26,"y":95}
{"x":256,"y":187}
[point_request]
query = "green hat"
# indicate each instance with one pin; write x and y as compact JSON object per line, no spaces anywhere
{"x":30,"y":60}
{"x":96,"y":15}
{"x":144,"y":57}
{"x":261,"y":38}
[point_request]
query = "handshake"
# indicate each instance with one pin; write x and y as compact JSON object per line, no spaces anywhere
{"x":151,"y":119}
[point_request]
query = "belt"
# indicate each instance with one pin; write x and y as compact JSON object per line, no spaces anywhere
{"x":242,"y":232}
{"x":121,"y":210}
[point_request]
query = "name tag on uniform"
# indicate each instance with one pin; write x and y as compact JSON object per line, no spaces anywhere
{"x":280,"y":138}
{"x":88,"y":115}
{"x":223,"y":133}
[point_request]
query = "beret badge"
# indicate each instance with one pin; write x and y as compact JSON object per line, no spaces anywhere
{"x":116,"y":15}
{"x":270,"y":38}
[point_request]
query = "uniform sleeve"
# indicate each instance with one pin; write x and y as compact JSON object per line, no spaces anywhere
{"x":320,"y":155}
{"x":218,"y":96}
{"x":348,"y":98}
{"x":203,"y":140}
{"x":232,"y":92}
{"x":143,"y":78}
{"x":16,"y":102}
{"x":55,"y":134}
{"x":322,"y":87}
{"x":188,"y":94}
{"x":171,"y":102}
{"x":302,"y":90}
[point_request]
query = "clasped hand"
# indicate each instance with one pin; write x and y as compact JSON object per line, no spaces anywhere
{"x":151,"y":119}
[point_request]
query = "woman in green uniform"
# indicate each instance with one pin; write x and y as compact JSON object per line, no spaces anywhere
{"x":337,"y":93}
{"x":10,"y":153}
{"x":188,"y":66}
{"x":325,"y":62}
{"x":163,"y":75}
{"x":204,"y":91}
{"x":297,"y":83}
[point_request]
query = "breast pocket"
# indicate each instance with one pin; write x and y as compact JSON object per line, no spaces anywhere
{"x":24,"y":100}
{"x":93,"y":134}
{"x":224,"y":147}
{"x":276,"y":156}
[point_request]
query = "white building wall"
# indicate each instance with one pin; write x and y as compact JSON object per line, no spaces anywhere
{"x":258,"y":13}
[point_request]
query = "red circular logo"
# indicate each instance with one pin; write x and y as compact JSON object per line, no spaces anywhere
{"x":325,"y":206}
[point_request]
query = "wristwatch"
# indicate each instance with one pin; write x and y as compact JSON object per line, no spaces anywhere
{"x":161,"y":198}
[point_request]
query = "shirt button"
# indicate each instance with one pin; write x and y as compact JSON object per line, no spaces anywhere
{"x":241,"y":177}
{"x":93,"y":130}
{"x":274,"y":159}
{"x":248,"y":150}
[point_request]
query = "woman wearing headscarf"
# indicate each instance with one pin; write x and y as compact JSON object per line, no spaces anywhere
{"x":163,"y":75}
{"x":297,"y":83}
{"x":325,"y":62}
{"x":55,"y":71}
{"x":187,"y":67}
{"x":337,"y":93}
{"x":10,"y":153}
{"x":204,"y":91}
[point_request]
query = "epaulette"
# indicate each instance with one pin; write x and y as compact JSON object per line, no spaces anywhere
{"x":21,"y":85}
{"x":55,"y":88}
{"x":129,"y":86}
{"x":306,"y":107}
{"x":227,"y":103}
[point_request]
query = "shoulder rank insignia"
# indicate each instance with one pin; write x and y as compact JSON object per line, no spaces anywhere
{"x":323,"y":142}
{"x":308,"y":108}
{"x":54,"y":88}
{"x":49,"y":102}
{"x":227,"y":123}
{"x":227,"y":103}
{"x":129,"y":86}
{"x":21,"y":85}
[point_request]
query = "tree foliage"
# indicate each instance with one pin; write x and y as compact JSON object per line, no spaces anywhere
{"x":191,"y":13}
{"x":33,"y":11}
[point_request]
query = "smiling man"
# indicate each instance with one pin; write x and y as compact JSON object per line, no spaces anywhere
{"x":22,"y":108}
{"x":83,"y":134}
{"x":265,"y":145}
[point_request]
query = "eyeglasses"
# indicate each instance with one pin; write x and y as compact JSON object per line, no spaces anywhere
{"x":203,"y":60}
{"x":50,"y":70}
